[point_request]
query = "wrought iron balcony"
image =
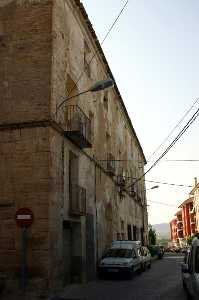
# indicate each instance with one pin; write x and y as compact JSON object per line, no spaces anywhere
{"x":193,"y":221}
{"x":77,"y":200}
{"x":179,"y":221}
{"x":111,"y":164}
{"x":121,"y":180}
{"x":78,"y":126}
{"x":192,"y":211}
{"x":180,"y":229}
{"x":132,"y":192}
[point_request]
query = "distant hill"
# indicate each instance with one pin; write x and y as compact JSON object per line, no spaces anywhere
{"x":162,"y":230}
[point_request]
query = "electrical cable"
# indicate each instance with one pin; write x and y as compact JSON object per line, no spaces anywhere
{"x":180,"y":160}
{"x":163,"y":203}
{"x":107,"y":34}
{"x":188,"y":124}
{"x":173,"y":184}
{"x":180,"y":121}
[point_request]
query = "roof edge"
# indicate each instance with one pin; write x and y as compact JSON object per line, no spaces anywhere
{"x":96,"y":41}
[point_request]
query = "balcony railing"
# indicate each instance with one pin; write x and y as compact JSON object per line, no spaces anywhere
{"x":179,"y":221}
{"x":111,"y":164}
{"x":192,"y":211}
{"x":77,"y":200}
{"x":132,"y":192}
{"x":121,"y":180}
{"x":78,"y":126}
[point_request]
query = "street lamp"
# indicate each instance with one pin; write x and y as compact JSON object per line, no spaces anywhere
{"x":98,"y":86}
{"x":153,"y":187}
{"x":144,"y":213}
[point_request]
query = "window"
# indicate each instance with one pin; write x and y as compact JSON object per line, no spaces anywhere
{"x":127,"y":253}
{"x":91,"y":118}
{"x":118,"y":236}
{"x":108,"y":142}
{"x":87,"y":53}
{"x":105,"y":100}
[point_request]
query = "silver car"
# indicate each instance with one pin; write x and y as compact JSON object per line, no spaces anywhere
{"x":190,"y":270}
{"x":120,"y":261}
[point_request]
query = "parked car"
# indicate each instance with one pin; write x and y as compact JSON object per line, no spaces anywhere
{"x":124,"y":257}
{"x":190,"y":270}
{"x":156,"y":250}
{"x":146,"y":258}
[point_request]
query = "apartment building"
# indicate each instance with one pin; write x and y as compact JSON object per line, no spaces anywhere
{"x":174,"y":232}
{"x":195,"y":194}
{"x":75,"y":166}
{"x":179,"y":224}
{"x":188,"y":217}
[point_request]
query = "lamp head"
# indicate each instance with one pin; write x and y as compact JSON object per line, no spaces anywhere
{"x":155,"y":187}
{"x":102,"y":85}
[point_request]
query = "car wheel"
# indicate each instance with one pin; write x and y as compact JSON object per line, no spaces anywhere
{"x":186,"y":290}
{"x":140,"y":270}
{"x":149,"y":266}
{"x":184,"y":285}
{"x":144,"y":267}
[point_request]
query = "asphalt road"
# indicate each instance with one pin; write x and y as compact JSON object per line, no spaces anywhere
{"x":161,"y":282}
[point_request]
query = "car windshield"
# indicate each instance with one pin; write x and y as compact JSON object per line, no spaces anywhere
{"x":127,"y":253}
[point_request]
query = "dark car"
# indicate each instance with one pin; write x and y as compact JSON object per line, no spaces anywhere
{"x":190,"y":270}
{"x":156,"y":250}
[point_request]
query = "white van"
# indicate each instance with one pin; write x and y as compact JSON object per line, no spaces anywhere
{"x":123,"y":257}
{"x":190,"y":270}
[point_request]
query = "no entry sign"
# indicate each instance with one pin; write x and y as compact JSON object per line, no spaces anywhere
{"x":24,"y":217}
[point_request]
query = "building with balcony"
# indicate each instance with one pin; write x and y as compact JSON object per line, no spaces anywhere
{"x":195,"y":210}
{"x":188,"y":217}
{"x":179,"y":228}
{"x":174,"y":232}
{"x":187,"y":221}
{"x":74,"y":167}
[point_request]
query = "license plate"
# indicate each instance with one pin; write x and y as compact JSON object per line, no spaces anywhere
{"x":113,"y":270}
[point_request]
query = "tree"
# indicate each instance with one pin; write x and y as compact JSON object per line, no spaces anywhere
{"x":152,"y":236}
{"x":190,"y":239}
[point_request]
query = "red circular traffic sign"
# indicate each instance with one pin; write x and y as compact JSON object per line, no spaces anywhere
{"x":24,"y":217}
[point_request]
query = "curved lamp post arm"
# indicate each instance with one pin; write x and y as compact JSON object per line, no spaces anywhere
{"x":98,"y":86}
{"x":66,"y":99}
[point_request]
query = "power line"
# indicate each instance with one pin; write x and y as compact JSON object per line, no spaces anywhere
{"x":163,"y":203}
{"x":179,"y":160}
{"x":188,"y":124}
{"x":173,"y":184}
{"x":180,"y":121}
{"x":184,"y":160}
{"x":107,"y":34}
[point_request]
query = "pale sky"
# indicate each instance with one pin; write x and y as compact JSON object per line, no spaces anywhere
{"x":153,"y":52}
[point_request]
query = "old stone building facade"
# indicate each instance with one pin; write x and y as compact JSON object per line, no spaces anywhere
{"x":71,"y":167}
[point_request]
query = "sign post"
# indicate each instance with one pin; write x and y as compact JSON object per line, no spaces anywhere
{"x":24,"y":219}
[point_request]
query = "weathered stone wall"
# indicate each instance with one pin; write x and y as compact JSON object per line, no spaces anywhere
{"x":25,"y":74}
{"x":70,"y":33}
{"x":24,"y":182}
{"x":42,"y":46}
{"x":25,"y":64}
